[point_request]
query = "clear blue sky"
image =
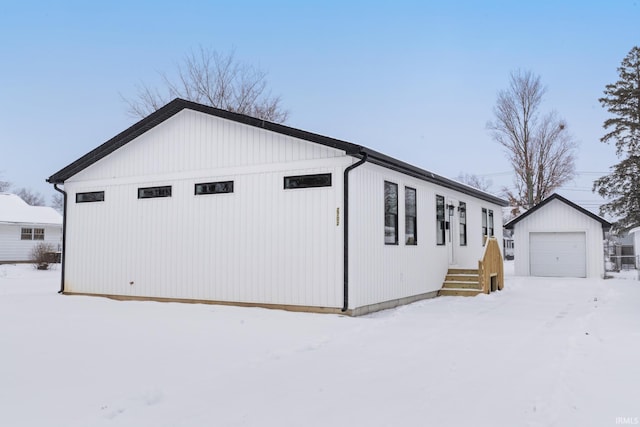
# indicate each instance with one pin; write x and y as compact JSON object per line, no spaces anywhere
{"x":415,"y":80}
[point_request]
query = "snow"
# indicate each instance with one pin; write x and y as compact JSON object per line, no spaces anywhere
{"x":542,"y":352}
{"x":15,"y":210}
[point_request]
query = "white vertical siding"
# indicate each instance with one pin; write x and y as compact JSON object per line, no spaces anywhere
{"x":13,"y":248}
{"x":557,"y":216}
{"x":261,"y":243}
{"x":380,"y":272}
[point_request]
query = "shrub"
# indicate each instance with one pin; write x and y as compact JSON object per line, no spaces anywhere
{"x":42,"y":255}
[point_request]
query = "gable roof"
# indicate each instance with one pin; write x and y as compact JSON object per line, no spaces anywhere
{"x":177,"y":105}
{"x":16,"y":211}
{"x":606,"y":225}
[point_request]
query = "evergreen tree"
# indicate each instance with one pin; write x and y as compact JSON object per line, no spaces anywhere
{"x":622,"y":185}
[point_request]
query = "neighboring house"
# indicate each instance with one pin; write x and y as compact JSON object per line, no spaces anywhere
{"x":558,"y":238}
{"x":23,"y":226}
{"x":194,"y":203}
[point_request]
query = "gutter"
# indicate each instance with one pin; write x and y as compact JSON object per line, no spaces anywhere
{"x":345,"y":203}
{"x":64,"y":234}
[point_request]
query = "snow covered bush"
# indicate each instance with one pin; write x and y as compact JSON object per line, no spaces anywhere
{"x":42,"y":255}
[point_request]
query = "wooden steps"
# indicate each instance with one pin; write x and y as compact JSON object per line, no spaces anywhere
{"x":461,"y":282}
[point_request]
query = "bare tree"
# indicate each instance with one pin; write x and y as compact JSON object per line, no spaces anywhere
{"x":540,"y":149}
{"x":4,"y":186}
{"x":209,"y":77}
{"x":57,"y":202}
{"x":32,"y":198}
{"x":475,"y":181}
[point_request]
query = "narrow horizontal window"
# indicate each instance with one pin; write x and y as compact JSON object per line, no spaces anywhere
{"x":307,"y":181}
{"x":153,"y":192}
{"x":93,"y":196}
{"x":214,"y":187}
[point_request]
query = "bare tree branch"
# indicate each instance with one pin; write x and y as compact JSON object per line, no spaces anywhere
{"x":209,"y":77}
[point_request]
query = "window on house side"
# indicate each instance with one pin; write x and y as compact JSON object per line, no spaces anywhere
{"x":38,"y":234}
{"x":307,"y":181}
{"x":26,"y":234}
{"x":153,"y":192}
{"x":410,"y":217}
{"x":490,"y":223}
{"x":462,"y":207}
{"x":440,"y":221}
{"x":92,"y":196}
{"x":214,"y":188}
{"x":390,"y":213}
{"x":484,"y":224}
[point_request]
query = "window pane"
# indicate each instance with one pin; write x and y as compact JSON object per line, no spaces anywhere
{"x":440,"y":227}
{"x":214,"y":187}
{"x":390,"y":213}
{"x":38,"y":234}
{"x":484,"y":222}
{"x":25,"y":234}
{"x":307,"y":181}
{"x":153,"y":192}
{"x":491,"y":223}
{"x":463,"y":223}
{"x":93,"y":196}
{"x":410,"y":214}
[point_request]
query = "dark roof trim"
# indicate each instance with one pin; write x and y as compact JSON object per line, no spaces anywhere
{"x":606,"y":225}
{"x":177,"y":105}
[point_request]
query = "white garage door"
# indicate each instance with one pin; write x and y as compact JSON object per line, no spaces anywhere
{"x":558,"y":254}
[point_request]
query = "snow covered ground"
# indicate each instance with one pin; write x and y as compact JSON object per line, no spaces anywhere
{"x":543,"y":352}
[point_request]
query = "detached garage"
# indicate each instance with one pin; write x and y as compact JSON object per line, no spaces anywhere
{"x":558,"y":238}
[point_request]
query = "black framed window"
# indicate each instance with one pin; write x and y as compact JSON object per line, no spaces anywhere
{"x":307,"y":181}
{"x":153,"y":192}
{"x":440,"y":220}
{"x":490,"y":223}
{"x":390,"y":213}
{"x":92,"y":196}
{"x":410,"y":217}
{"x":462,"y":209}
{"x":484,"y":223}
{"x":214,"y":188}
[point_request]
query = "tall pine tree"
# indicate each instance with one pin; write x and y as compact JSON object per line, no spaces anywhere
{"x":622,"y":185}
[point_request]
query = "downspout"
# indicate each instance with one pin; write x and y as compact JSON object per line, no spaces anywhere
{"x":64,"y":234}
{"x":345,"y":203}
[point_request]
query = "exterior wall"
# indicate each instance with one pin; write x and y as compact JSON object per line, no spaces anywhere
{"x":559,"y":217}
{"x":12,"y":248}
{"x":380,"y":272}
{"x":259,"y":244}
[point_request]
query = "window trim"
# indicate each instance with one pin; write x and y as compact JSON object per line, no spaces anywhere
{"x":407,"y":217}
{"x":90,"y":197}
{"x":158,"y":192}
{"x":214,"y":190}
{"x":308,"y":181}
{"x":389,"y":214}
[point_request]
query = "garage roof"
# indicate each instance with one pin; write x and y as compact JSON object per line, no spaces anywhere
{"x":606,"y":225}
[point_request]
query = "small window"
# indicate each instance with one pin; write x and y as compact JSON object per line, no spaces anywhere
{"x":410,"y":217}
{"x":484,"y":223}
{"x":38,"y":234}
{"x":93,"y":196}
{"x":153,"y":192}
{"x":490,"y":223}
{"x":390,"y":213}
{"x":462,"y":208}
{"x":26,"y":234}
{"x":214,"y":188}
{"x":307,"y":181}
{"x":440,"y":222}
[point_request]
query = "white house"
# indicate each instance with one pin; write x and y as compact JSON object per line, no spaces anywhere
{"x":23,"y":226}
{"x":558,"y":238}
{"x":194,"y":203}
